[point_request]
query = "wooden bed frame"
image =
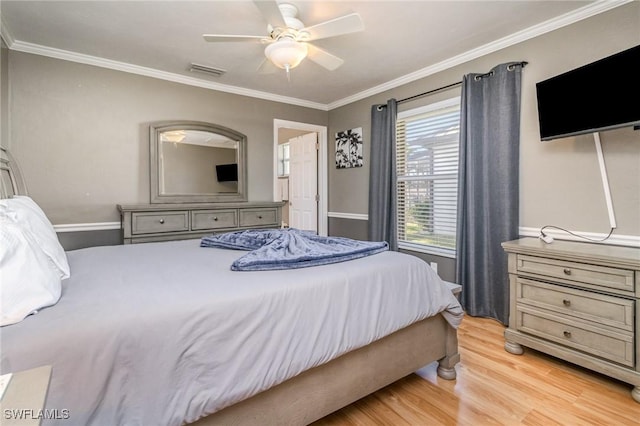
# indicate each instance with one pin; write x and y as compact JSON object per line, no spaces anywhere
{"x":324,"y":389}
{"x":329,"y":387}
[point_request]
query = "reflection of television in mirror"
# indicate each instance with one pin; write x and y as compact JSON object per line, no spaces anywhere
{"x":227,"y":172}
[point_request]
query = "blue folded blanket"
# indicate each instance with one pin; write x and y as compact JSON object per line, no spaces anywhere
{"x":290,"y":248}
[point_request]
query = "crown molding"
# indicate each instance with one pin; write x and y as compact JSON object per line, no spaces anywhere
{"x":529,"y":33}
{"x":585,"y":12}
{"x":36,"y":49}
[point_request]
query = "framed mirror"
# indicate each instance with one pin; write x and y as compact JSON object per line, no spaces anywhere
{"x":197,"y":162}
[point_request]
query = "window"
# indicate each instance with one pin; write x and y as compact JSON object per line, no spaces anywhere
{"x":427,"y":141}
{"x":283,"y":159}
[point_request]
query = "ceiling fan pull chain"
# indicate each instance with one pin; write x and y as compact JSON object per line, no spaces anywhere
{"x":287,"y":68}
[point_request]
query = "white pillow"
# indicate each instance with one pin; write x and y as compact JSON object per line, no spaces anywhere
{"x":26,"y":213}
{"x":29,"y":280}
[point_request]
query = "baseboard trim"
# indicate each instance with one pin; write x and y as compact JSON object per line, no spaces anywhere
{"x":353,"y":216}
{"x":618,"y":240}
{"x":81,"y":227}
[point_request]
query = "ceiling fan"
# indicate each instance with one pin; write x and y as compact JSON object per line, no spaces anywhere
{"x":288,"y":39}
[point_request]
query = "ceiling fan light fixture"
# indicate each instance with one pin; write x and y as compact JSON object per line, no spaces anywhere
{"x":286,"y":53}
{"x":174,"y":136}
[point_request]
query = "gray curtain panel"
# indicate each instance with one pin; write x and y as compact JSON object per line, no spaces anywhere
{"x":382,"y":176}
{"x":488,"y":194}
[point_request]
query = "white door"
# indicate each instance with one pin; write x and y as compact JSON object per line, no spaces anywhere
{"x":303,"y":182}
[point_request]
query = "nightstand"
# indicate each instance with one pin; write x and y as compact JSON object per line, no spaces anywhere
{"x":23,"y":400}
{"x":578,"y":302}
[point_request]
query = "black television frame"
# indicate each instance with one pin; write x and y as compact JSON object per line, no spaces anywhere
{"x":602,"y":95}
{"x":227,"y":172}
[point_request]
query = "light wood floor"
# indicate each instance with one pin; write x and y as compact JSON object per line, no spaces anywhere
{"x":494,"y":387}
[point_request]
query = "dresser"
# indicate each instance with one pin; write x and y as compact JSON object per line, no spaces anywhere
{"x":578,"y":302}
{"x":142,"y":223}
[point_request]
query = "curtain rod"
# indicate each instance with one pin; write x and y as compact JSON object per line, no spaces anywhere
{"x":430,"y":92}
{"x":419,"y":95}
{"x":450,"y":86}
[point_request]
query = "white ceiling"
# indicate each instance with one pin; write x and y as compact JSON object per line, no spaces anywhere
{"x":402,"y":41}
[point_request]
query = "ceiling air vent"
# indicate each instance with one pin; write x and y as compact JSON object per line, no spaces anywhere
{"x":216,"y":72}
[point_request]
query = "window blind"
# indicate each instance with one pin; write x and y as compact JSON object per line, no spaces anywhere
{"x":427,"y":183}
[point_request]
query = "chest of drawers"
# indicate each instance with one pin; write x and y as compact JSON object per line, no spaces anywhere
{"x":143,"y":223}
{"x":578,"y":302}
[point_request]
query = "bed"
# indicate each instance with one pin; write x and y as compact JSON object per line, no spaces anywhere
{"x":167,"y":333}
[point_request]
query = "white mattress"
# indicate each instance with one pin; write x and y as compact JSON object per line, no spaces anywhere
{"x":164,"y":333}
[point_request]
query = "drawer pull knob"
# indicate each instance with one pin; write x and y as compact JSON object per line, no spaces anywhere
{"x":161,"y":221}
{"x":215,"y":218}
{"x":259,"y":217}
{"x":567,"y":334}
{"x":567,"y":271}
{"x":566,"y":302}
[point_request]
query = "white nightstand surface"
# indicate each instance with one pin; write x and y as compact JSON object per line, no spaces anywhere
{"x":24,"y":398}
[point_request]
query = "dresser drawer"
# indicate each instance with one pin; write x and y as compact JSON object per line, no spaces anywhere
{"x":581,"y":335}
{"x":609,"y":310}
{"x":151,"y":222}
{"x":578,"y":273}
{"x":258,"y":217}
{"x":214,"y":219}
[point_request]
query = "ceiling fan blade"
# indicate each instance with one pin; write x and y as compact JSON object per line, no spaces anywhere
{"x":346,"y":24}
{"x":227,"y":37}
{"x":271,"y":13}
{"x":323,"y":58}
{"x":267,"y":67}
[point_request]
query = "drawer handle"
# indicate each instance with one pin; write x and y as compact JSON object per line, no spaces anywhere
{"x":567,"y":271}
{"x":259,"y":217}
{"x":161,"y":221}
{"x":567,"y":334}
{"x":215,"y":218}
{"x":566,"y":302}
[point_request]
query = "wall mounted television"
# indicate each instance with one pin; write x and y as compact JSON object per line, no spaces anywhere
{"x":599,"y":96}
{"x":227,"y":172}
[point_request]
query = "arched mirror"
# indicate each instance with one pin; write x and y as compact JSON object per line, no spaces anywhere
{"x":197,"y":162}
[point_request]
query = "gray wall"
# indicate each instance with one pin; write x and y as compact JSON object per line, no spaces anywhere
{"x":191,"y":168}
{"x":348,"y":228}
{"x":81,"y":133}
{"x":560,"y":180}
{"x":82,"y":239}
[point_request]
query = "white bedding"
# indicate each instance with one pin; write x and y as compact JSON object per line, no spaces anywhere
{"x":163,"y":333}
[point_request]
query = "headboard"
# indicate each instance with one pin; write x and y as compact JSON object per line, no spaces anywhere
{"x":11,"y":180}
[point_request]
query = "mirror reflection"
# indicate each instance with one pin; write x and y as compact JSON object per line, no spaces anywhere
{"x":196,"y":162}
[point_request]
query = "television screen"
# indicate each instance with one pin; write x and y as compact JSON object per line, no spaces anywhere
{"x":599,"y":96}
{"x":227,"y":172}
